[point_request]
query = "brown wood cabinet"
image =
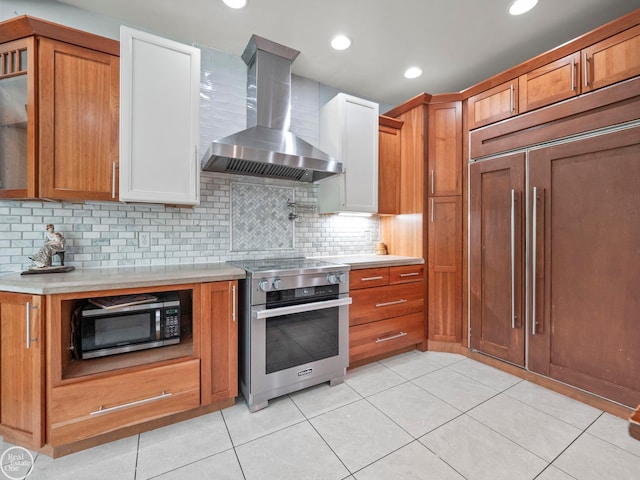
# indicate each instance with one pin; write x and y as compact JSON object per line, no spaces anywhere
{"x":219,"y":354}
{"x":585,"y":232}
{"x":66,"y":146}
{"x":551,"y":83}
{"x":72,"y":402}
{"x":612,"y":60}
{"x":445,"y":268}
{"x":389,"y":165}
{"x":22,"y":369}
{"x":387,"y":312}
{"x":493,"y":105}
{"x":445,"y":149}
{"x":403,"y":233}
{"x":102,"y":404}
{"x":496,"y":257}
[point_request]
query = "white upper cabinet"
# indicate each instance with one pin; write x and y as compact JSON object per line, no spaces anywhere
{"x":349,"y":132}
{"x":159,"y":119}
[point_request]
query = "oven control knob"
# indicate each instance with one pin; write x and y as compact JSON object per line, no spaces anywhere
{"x":341,"y":277}
{"x":263,"y":285}
{"x":277,"y":283}
{"x":331,"y":278}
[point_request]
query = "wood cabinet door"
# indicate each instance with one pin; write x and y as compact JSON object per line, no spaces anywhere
{"x":389,"y":149}
{"x":496,"y":257}
{"x":612,"y":60}
{"x":551,"y":83}
{"x":493,"y":105}
{"x":585,"y":264}
{"x":445,"y":149}
{"x":22,"y":369}
{"x":79,"y":116}
{"x":18,"y":157}
{"x":219,"y":326}
{"x":445,"y":269}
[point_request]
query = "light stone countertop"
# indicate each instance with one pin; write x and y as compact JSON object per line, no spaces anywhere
{"x":358,"y":262}
{"x":92,"y":279}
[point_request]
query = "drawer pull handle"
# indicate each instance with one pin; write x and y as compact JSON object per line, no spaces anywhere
{"x":395,"y":302}
{"x":368,"y":279}
{"x":391,"y":337}
{"x":412,"y":274}
{"x":131,"y":404}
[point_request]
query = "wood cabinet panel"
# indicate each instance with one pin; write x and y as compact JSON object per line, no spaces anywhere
{"x":493,"y":105}
{"x":389,"y":164}
{"x":368,"y":277}
{"x":94,"y":406}
{"x":219,"y":341}
{"x":585,"y":237}
{"x":445,"y":268}
{"x":22,"y":369}
{"x":551,"y":83}
{"x":445,"y":149}
{"x":496,"y":263}
{"x":406,"y":274}
{"x":612,"y":60}
{"x":78,"y":127}
{"x":371,"y":339}
{"x":378,"y":303}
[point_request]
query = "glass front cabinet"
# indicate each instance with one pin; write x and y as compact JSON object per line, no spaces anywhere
{"x":17,"y":120}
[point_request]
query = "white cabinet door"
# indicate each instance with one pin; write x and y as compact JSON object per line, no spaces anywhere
{"x":349,"y":132}
{"x":159,"y":119}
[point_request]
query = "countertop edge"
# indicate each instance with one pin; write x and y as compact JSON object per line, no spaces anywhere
{"x":91,"y":280}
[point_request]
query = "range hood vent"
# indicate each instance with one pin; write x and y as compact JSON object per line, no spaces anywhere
{"x":267,"y":148}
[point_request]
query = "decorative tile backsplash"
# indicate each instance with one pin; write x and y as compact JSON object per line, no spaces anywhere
{"x":238,"y":217}
{"x":259,"y":218}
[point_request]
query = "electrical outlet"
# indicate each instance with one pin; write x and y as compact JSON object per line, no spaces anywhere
{"x":144,"y":239}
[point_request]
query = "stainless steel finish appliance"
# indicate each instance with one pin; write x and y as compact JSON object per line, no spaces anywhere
{"x":267,"y":148}
{"x":100,"y":332}
{"x":294,"y":326}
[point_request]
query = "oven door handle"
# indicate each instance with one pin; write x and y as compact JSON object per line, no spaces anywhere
{"x":305,"y":307}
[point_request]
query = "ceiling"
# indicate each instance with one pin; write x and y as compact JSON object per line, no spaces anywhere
{"x":457,"y":43}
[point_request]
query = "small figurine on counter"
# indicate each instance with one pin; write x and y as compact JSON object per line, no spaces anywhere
{"x":53,"y":245}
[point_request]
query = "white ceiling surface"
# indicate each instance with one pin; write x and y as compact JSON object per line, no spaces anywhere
{"x":457,"y":43}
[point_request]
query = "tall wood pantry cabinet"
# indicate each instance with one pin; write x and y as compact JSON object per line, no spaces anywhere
{"x":59,"y":109}
{"x":444,"y":221}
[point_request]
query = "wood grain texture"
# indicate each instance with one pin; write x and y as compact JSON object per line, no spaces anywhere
{"x":389,"y":164}
{"x":445,"y":149}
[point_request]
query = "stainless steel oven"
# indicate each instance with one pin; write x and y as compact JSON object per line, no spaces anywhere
{"x":294,"y":327}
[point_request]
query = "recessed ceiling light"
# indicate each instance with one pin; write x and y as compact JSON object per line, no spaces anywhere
{"x":340,"y":42}
{"x":413,"y":72}
{"x":235,"y":3}
{"x":522,"y":6}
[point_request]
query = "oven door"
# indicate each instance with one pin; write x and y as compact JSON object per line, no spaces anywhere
{"x":298,"y":344}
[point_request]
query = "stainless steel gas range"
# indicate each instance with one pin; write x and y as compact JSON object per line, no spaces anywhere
{"x":294,"y":326}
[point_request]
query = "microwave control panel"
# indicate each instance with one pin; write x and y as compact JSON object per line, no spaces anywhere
{"x":171,"y":322}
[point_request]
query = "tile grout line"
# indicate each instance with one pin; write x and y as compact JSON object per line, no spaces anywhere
{"x":308,"y":420}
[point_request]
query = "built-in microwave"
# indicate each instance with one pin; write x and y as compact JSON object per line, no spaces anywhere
{"x":99,"y":332}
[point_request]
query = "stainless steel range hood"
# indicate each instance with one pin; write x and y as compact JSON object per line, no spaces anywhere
{"x":267,"y":148}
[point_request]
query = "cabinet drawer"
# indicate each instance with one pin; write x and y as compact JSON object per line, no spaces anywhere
{"x":375,"y":304}
{"x":385,"y":336}
{"x":84,"y":409}
{"x":369,"y":277}
{"x":407,"y":274}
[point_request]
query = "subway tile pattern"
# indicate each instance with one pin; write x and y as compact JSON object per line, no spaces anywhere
{"x":385,"y":421}
{"x":106,"y":234}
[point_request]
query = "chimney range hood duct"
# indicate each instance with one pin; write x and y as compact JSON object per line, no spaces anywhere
{"x":267,"y":148}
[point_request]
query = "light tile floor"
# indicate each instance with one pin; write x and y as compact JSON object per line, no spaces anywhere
{"x":428,"y":415}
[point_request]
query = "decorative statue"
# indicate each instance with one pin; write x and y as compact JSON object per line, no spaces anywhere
{"x":53,"y":245}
